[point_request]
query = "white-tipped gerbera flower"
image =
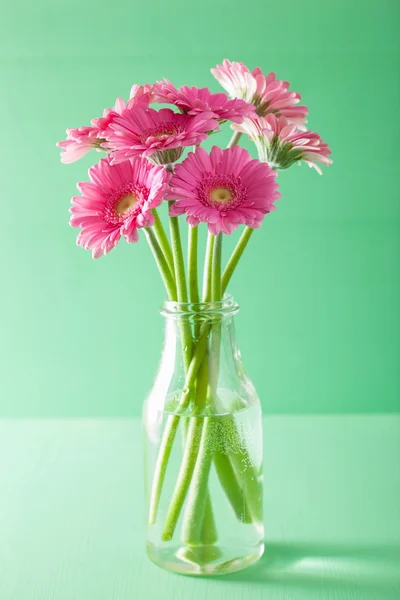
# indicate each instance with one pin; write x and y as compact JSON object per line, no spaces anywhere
{"x":281,"y":144}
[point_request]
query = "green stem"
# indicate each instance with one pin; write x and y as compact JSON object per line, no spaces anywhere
{"x":236,"y":255}
{"x":161,"y":263}
{"x":208,"y":535}
{"x":184,"y":478}
{"x":193,"y":236}
{"x":229,"y":482}
{"x":248,"y":478}
{"x":208,"y":268}
{"x":164,"y":452}
{"x":181,"y":287}
{"x":239,"y":482}
{"x":208,"y":532}
{"x":192,"y":441}
{"x":234,"y":139}
{"x":179,"y":264}
{"x":195,"y":514}
{"x":216,"y":289}
{"x":216,"y":295}
{"x":173,"y":422}
{"x":196,"y":504}
{"x":195,"y":364}
{"x":162,"y":239}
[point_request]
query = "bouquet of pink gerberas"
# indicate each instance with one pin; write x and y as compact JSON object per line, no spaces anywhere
{"x":204,"y":389}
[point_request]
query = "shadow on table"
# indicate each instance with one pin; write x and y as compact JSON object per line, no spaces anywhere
{"x":306,"y":564}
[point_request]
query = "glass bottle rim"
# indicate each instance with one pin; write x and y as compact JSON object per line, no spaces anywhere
{"x":223,"y":308}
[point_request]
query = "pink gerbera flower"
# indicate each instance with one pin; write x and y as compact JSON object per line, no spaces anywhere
{"x":117,"y":202}
{"x":225,"y":188}
{"x":140,"y":95}
{"x":268,"y":94}
{"x":159,"y":136}
{"x":78,"y":143}
{"x":280,"y":143}
{"x":83,"y":139}
{"x":194,"y":101}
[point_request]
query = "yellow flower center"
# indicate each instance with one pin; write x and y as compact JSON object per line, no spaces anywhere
{"x":221,"y":194}
{"x":125,"y":204}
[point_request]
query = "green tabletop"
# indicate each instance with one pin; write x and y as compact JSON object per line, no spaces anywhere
{"x":72,"y":513}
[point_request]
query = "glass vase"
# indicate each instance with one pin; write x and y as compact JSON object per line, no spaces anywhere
{"x":203,"y":447}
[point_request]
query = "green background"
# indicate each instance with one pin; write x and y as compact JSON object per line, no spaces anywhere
{"x":319,"y":285}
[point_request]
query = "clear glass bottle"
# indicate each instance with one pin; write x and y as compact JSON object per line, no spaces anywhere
{"x":203,"y":447}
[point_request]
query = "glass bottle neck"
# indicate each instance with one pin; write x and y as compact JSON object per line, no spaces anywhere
{"x":201,"y":312}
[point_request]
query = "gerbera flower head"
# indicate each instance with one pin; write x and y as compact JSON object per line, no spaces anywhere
{"x":140,"y":96}
{"x":268,"y":94}
{"x":194,"y":101}
{"x":117,"y":202}
{"x":157,"y":135}
{"x":78,"y":143}
{"x":83,"y":139}
{"x":281,"y":144}
{"x":225,"y":188}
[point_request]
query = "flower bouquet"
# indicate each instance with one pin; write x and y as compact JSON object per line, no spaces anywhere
{"x":202,"y":418}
